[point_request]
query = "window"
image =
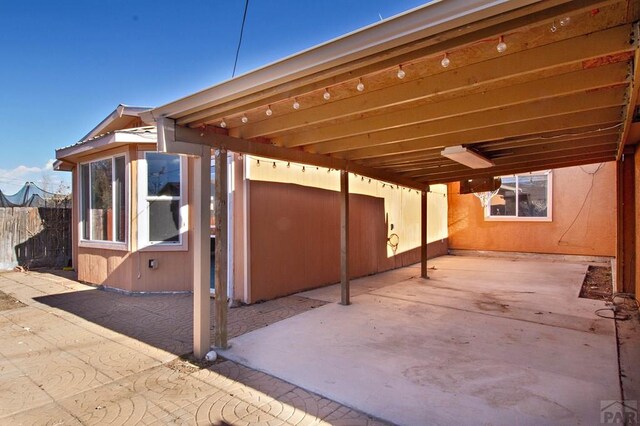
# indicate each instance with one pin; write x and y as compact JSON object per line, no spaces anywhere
{"x":102,"y":200}
{"x":522,"y":197}
{"x":162,"y":204}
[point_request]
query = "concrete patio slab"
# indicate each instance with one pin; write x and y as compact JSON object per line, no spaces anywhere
{"x":74,"y":355}
{"x":484,"y":341}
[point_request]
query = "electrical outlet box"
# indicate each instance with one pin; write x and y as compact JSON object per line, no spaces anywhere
{"x":153,"y":264}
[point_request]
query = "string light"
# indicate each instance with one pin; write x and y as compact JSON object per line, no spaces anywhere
{"x":303,"y":169}
{"x":360,"y":85}
{"x":553,"y":27}
{"x":258,"y":163}
{"x":502,"y":46}
{"x":296,"y":105}
{"x":244,"y":119}
{"x":269,"y":111}
{"x":445,"y":62}
{"x":326,"y":95}
{"x":288,"y":165}
{"x":565,"y":21}
{"x":223,"y":124}
{"x":274,"y":164}
{"x":401,"y":74}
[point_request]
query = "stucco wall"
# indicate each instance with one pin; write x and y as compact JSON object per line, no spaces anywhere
{"x":584,"y":218}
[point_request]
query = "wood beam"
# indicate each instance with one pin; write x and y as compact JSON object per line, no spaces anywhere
{"x":222,"y":246}
{"x":202,"y":257}
{"x":398,"y":160}
{"x":423,"y":234}
{"x":525,"y":64}
{"x":626,"y":223}
{"x":632,"y":94}
{"x":564,"y":122}
{"x":515,"y":21}
{"x":345,"y":298}
{"x":209,"y":137}
{"x":523,"y":168}
{"x":512,"y":156}
{"x":539,"y":89}
{"x":452,"y":167}
{"x":583,"y":101}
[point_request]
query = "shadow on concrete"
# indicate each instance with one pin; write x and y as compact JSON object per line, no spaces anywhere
{"x":166,"y":321}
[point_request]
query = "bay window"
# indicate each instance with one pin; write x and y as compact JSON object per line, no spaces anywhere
{"x":102,"y":200}
{"x":162,"y":200}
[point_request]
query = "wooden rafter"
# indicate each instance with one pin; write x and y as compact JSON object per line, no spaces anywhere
{"x":632,"y":93}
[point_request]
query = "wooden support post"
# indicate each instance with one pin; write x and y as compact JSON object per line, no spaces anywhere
{"x":423,"y":234}
{"x":626,"y":223}
{"x":222,"y":239}
{"x":202,"y":257}
{"x":344,"y":237}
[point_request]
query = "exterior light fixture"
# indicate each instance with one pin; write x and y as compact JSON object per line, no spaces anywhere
{"x":466,"y":157}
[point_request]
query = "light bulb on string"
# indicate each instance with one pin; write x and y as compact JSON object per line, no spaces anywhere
{"x":326,"y":95}
{"x":296,"y":105}
{"x":258,"y":163}
{"x":303,"y":169}
{"x":445,"y":62}
{"x":565,"y":21}
{"x":502,"y":46}
{"x":274,"y":164}
{"x":223,"y":124}
{"x":360,"y":86}
{"x":269,"y":111}
{"x":401,"y":74}
{"x":553,"y":27}
{"x":288,"y":165}
{"x":244,"y":119}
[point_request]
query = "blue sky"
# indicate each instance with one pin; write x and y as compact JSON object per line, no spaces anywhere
{"x":67,"y":64}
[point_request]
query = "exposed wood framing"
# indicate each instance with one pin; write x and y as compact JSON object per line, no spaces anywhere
{"x":345,"y":298}
{"x":211,"y":137}
{"x":222,"y":245}
{"x":423,"y":234}
{"x":632,"y":93}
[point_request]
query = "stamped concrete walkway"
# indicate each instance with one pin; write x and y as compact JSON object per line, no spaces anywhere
{"x":71,"y":354}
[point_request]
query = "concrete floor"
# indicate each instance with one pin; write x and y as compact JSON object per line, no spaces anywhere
{"x":484,"y":341}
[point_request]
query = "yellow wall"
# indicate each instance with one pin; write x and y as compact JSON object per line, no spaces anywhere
{"x":402,"y":206}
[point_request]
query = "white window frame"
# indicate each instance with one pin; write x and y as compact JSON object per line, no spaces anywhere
{"x":143,"y":212}
{"x":105,"y":244}
{"x":516,"y":218}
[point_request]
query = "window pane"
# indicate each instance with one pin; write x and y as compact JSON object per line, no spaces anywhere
{"x":163,"y":174}
{"x":504,"y":202}
{"x":119,"y":198}
{"x":101,"y":200}
{"x":164,"y":220}
{"x":532,"y":196}
{"x":84,"y":209}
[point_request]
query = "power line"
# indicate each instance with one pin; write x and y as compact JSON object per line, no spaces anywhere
{"x":244,"y":18}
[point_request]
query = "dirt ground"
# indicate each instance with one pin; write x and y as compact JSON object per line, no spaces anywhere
{"x":597,"y":283}
{"x":7,"y":302}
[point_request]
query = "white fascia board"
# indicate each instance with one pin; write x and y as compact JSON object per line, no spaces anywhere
{"x":425,"y":21}
{"x":99,"y":143}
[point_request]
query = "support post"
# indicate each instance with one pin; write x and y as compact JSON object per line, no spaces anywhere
{"x":202,"y":256}
{"x":423,"y":235}
{"x":626,"y":223}
{"x":222,"y":239}
{"x":344,"y":237}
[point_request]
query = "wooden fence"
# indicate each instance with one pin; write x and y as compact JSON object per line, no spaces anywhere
{"x":35,"y":237}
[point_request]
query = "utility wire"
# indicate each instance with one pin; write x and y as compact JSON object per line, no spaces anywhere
{"x":244,"y":18}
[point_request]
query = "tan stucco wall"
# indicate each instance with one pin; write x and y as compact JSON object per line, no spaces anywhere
{"x":592,"y":233}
